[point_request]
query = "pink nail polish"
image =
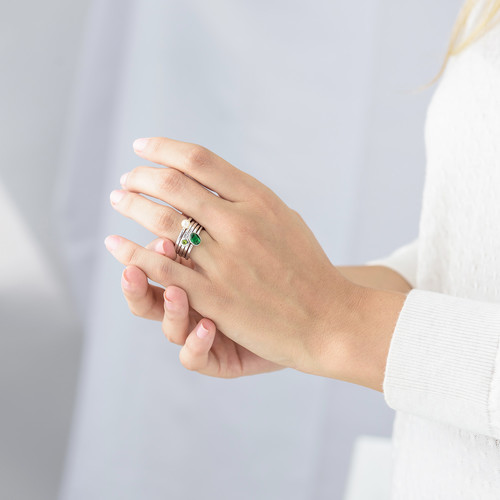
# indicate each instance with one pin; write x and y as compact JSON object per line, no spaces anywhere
{"x":140,"y":144}
{"x":116,"y":196}
{"x":112,"y":242}
{"x":159,"y":247}
{"x":202,"y":332}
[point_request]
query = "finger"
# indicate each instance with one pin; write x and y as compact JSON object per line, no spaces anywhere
{"x":175,"y":324}
{"x":178,"y":190}
{"x":143,"y":299}
{"x":163,"y":247}
{"x":159,"y":219}
{"x":157,"y":267}
{"x":201,"y":164}
{"x":167,"y":248}
{"x":196,"y":354}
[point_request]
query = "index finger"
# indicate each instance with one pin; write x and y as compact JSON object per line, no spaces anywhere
{"x":201,"y":164}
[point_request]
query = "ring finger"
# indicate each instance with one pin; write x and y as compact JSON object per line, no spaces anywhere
{"x":161,"y":220}
{"x":180,"y":191}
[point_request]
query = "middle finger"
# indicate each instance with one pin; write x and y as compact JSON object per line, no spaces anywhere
{"x":182,"y":192}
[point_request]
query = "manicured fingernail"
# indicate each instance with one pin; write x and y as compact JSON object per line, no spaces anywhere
{"x":159,"y":247}
{"x":123,"y":179}
{"x":202,"y":332}
{"x":116,"y":196}
{"x":140,"y":144}
{"x":168,"y":303}
{"x":112,"y":242}
{"x":125,"y":281}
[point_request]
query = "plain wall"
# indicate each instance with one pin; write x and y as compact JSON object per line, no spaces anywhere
{"x":40,"y":340}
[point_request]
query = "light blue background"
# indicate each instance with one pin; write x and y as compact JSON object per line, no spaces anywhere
{"x":312,"y":98}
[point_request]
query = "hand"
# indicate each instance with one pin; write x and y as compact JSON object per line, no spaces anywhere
{"x":259,"y":272}
{"x":214,"y":354}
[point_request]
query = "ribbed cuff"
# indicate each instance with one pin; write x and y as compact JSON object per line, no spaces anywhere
{"x":442,"y":361}
{"x":403,"y":260}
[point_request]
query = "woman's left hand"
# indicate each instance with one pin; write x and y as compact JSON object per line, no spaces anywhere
{"x":259,"y":272}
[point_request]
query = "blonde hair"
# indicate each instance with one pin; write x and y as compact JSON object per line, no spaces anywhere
{"x":458,"y":40}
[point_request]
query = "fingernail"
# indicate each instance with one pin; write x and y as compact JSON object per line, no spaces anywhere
{"x":125,"y":280}
{"x":202,"y":332}
{"x":123,"y":179}
{"x":140,"y":144}
{"x":116,"y":196}
{"x":168,"y":303}
{"x":159,"y":247}
{"x":112,"y":243}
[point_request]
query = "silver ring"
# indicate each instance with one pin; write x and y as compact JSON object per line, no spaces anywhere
{"x":189,"y":236}
{"x":183,"y":248}
{"x":182,"y":240}
{"x":196,"y":231}
{"x":185,"y":225}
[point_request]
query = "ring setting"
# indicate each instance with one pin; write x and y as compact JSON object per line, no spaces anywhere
{"x":188,"y":238}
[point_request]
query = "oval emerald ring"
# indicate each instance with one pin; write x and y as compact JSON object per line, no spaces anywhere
{"x":195,"y":239}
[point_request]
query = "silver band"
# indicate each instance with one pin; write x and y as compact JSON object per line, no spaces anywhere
{"x":179,"y":238}
{"x":193,"y":228}
{"x":183,"y":244}
{"x":197,"y":231}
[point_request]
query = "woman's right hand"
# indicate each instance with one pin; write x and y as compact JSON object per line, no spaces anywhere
{"x":205,"y":349}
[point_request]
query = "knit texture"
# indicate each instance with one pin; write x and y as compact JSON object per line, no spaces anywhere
{"x":443,"y":368}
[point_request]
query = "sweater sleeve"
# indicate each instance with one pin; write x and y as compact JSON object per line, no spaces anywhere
{"x":403,"y":260}
{"x":444,"y":361}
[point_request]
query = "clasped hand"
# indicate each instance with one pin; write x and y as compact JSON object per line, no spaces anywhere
{"x":259,"y":282}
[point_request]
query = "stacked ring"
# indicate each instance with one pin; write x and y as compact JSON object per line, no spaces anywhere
{"x":188,"y":237}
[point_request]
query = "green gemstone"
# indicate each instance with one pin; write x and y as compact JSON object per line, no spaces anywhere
{"x":195,"y":239}
{"x":184,"y":241}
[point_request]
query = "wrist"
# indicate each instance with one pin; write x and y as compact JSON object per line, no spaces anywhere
{"x":376,"y":276}
{"x":359,"y":349}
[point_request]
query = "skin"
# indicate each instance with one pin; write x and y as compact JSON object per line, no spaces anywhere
{"x":251,"y":299}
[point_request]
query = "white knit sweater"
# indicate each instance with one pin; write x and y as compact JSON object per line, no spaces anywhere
{"x":443,"y":368}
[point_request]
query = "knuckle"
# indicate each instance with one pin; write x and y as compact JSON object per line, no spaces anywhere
{"x":131,"y":254}
{"x":141,"y":311}
{"x":231,"y":232}
{"x":171,"y":179}
{"x":134,"y":311}
{"x":297,"y":215}
{"x":155,"y":145}
{"x":187,"y":360}
{"x":170,"y":332}
{"x":268,"y":204}
{"x":164,"y":222}
{"x":240,"y":228}
{"x":134,"y":173}
{"x":128,"y":201}
{"x":197,"y":156}
{"x":141,"y":307}
{"x":166,"y":332}
{"x":165,"y":268}
{"x":235,"y":233}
